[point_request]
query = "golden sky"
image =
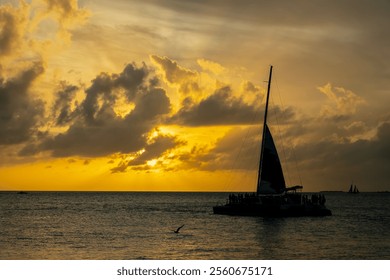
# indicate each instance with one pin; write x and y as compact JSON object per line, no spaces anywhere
{"x":168,"y":95}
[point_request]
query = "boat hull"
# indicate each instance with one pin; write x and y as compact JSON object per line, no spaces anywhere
{"x":261,"y":210}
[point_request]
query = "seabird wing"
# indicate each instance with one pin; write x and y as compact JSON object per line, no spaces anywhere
{"x":177,"y":231}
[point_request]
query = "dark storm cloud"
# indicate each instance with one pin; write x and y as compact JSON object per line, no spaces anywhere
{"x":19,"y":112}
{"x":94,"y":127}
{"x":91,"y":141}
{"x":363,"y":161}
{"x":221,"y":108}
{"x":151,"y":105}
{"x":104,"y":89}
{"x":61,"y":110}
{"x":359,"y":153}
{"x":23,"y":60}
{"x":131,"y":78}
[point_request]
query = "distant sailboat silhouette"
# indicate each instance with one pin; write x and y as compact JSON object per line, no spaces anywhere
{"x":178,"y":229}
{"x":353,"y":189}
{"x":272,"y":197}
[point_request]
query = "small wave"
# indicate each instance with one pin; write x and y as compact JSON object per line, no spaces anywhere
{"x":142,"y":258}
{"x":78,"y":246}
{"x":56,"y":234}
{"x":47,"y":208}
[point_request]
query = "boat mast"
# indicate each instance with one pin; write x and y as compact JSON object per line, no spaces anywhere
{"x":264,"y":129}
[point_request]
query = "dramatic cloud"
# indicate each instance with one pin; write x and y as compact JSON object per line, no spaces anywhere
{"x":155,"y":149}
{"x":25,"y":32}
{"x":209,"y":96}
{"x":66,"y":9}
{"x":62,"y":108}
{"x":95,"y":129}
{"x":24,"y":52}
{"x":152,"y":156}
{"x":102,"y":95}
{"x":12,"y":20}
{"x":343,"y":103}
{"x":176,"y":75}
{"x":19,"y":112}
{"x":220,"y":108}
{"x":347,"y":161}
{"x":67,"y":13}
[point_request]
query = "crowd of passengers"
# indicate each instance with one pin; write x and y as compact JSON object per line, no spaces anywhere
{"x":297,"y":198}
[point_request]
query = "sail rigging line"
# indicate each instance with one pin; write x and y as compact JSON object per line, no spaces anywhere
{"x":292,"y":147}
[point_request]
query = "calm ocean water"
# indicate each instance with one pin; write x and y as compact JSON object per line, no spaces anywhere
{"x":93,"y":225}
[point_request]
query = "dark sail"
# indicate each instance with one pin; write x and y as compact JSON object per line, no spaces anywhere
{"x":271,"y":176}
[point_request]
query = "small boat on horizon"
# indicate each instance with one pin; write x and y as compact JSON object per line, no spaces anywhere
{"x":21,"y":192}
{"x":273,"y":198}
{"x":353,"y":189}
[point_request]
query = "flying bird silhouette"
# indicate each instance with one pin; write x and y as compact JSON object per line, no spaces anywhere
{"x":178,"y":229}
